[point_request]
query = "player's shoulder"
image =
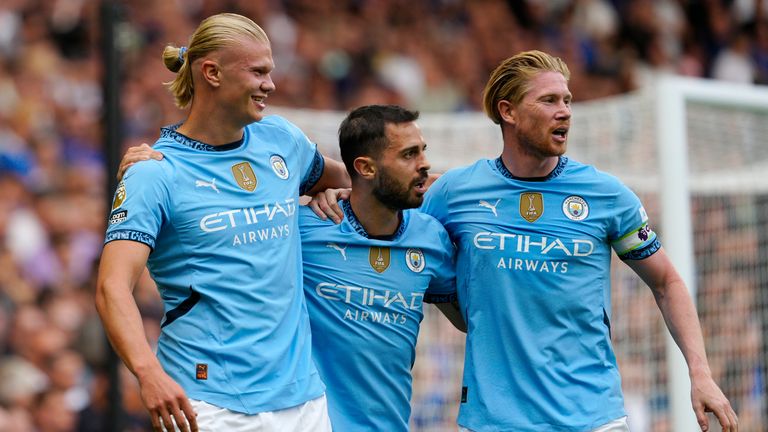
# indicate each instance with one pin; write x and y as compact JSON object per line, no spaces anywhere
{"x":309,"y":221}
{"x":275,"y":124}
{"x":461,"y":175}
{"x":586,"y":172}
{"x":424,"y":224}
{"x":150,"y":170}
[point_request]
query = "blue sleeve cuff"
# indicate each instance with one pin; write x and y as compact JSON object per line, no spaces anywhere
{"x":132,"y":235}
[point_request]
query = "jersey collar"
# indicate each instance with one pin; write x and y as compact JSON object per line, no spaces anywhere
{"x":349,"y":215}
{"x":171,"y":132}
{"x":562,"y":161}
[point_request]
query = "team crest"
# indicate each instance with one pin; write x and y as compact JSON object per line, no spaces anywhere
{"x":531,"y":206}
{"x":378,"y":257}
{"x":119,"y":196}
{"x":414,"y":259}
{"x":278,"y":166}
{"x":575,"y":208}
{"x":245,"y":176}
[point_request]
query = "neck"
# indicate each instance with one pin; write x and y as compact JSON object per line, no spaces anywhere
{"x":210,"y":126}
{"x":523,"y":164}
{"x":376,"y":218}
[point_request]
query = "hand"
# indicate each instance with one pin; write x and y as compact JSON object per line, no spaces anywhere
{"x":325,"y":204}
{"x":165,"y":399}
{"x":707,"y":397}
{"x":136,"y":154}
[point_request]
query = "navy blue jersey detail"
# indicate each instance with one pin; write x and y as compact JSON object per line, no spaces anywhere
{"x":554,"y":173}
{"x":349,"y":214}
{"x":171,"y":132}
{"x":182,"y":309}
{"x":315,"y":172}
{"x":133,"y":235}
{"x":642,"y":253}
{"x":440,"y":298}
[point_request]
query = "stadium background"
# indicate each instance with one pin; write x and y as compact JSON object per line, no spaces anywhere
{"x":331,"y":55}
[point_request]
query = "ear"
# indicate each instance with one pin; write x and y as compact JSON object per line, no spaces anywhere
{"x":365,"y":167}
{"x":211,"y":72}
{"x":507,"y":112}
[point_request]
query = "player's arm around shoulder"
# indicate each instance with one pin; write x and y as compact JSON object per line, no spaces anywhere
{"x":443,"y":292}
{"x":679,"y":313}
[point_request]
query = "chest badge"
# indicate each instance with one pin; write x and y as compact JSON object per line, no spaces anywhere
{"x":244,"y":176}
{"x":414,"y":259}
{"x":531,"y":206}
{"x":575,"y":208}
{"x":378,"y":257}
{"x":279,"y":167}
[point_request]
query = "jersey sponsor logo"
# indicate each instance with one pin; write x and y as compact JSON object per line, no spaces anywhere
{"x":526,"y":244}
{"x":211,"y":184}
{"x":575,"y":208}
{"x":120,"y":195}
{"x":118,"y":217}
{"x":278,"y":166}
{"x":531,"y":206}
{"x":488,"y":205}
{"x":364,"y":296}
{"x":246,"y":216}
{"x":342,"y":250}
{"x":244,"y":176}
{"x":378,"y":257}
{"x":414,"y":259}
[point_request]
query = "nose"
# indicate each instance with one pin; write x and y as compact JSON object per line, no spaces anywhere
{"x":564,"y":111}
{"x":268,"y":86}
{"x":424,"y":163}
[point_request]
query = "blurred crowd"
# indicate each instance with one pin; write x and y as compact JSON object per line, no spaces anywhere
{"x":430,"y":55}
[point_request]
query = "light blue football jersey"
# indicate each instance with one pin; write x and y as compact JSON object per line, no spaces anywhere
{"x":365,"y":299}
{"x":222,"y":223}
{"x":533,"y":271}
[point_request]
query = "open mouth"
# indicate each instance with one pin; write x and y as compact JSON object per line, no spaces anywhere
{"x":421,"y":185}
{"x":561,"y":133}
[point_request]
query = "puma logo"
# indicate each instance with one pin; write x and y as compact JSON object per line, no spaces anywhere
{"x":342,"y":250}
{"x":203,"y":183}
{"x":492,"y":207}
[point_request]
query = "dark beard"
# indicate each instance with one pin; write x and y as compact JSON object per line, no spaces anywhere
{"x":393,"y":195}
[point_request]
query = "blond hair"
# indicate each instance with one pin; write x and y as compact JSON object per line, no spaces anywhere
{"x":510,"y":80}
{"x":214,"y":33}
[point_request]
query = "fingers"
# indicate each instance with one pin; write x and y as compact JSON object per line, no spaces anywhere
{"x":701,"y":417}
{"x":333,"y":209}
{"x":727,"y":418}
{"x":189,"y":414}
{"x":315,"y":206}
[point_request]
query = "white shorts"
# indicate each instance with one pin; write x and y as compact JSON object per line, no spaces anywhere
{"x":618,"y":425}
{"x":311,"y":416}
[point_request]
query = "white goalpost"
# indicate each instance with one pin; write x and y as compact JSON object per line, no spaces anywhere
{"x":696,"y":152}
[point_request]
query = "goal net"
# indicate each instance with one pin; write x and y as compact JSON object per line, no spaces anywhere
{"x":723,"y":133}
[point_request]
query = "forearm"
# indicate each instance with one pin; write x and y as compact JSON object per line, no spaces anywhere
{"x":122,"y":322}
{"x":681,"y":319}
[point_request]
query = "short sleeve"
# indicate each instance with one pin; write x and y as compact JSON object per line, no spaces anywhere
{"x":140,"y":205}
{"x":630,"y":233}
{"x":442,"y":287}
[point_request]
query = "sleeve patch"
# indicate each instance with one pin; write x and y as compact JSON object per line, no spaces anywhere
{"x":636,"y":239}
{"x":132,"y":235}
{"x":642,"y":253}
